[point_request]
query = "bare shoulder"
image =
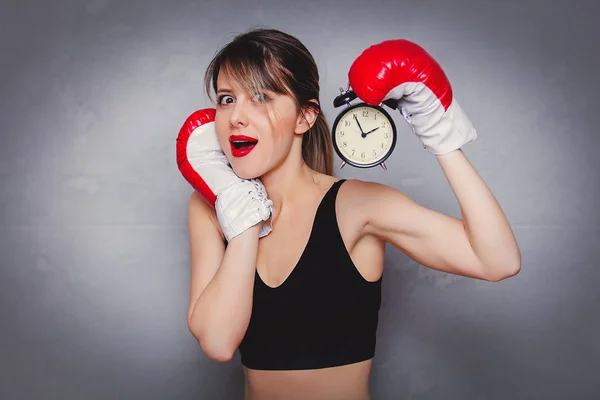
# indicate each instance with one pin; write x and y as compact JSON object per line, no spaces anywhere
{"x":354,"y":206}
{"x":356,"y":195}
{"x":355,"y":203}
{"x":356,"y":189}
{"x":372,"y":202}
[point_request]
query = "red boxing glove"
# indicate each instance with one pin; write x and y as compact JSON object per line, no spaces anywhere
{"x":239,"y":203}
{"x":403,"y":74}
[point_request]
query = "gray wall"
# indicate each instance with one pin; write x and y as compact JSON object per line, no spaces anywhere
{"x":94,"y":275}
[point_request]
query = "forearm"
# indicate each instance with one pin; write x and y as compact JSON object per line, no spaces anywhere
{"x":487,"y":228}
{"x":222,"y":313}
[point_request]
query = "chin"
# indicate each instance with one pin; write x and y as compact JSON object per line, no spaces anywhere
{"x":250,"y":167}
{"x":245,"y":173}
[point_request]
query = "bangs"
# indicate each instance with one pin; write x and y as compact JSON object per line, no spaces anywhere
{"x":249,"y":67}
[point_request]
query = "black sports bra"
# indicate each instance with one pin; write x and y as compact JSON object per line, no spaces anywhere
{"x":324,"y":314}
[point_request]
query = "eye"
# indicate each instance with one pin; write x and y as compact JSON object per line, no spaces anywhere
{"x":228,"y":99}
{"x":261,"y":98}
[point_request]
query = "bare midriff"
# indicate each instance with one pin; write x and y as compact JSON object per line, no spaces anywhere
{"x":347,"y":382}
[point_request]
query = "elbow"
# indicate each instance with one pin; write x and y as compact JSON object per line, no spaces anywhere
{"x":216,"y":353}
{"x":509,"y":267}
{"x":213,"y":349}
{"x":222,"y":357}
{"x":505,"y":274}
{"x":515,"y":267}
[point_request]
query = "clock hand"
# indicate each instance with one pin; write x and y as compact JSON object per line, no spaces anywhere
{"x":359,"y":127}
{"x":364,"y":134}
{"x":372,"y":130}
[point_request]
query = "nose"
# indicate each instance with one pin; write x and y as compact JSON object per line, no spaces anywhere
{"x":239,"y":114}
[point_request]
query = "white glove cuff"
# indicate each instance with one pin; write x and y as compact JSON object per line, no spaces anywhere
{"x":440,"y":131}
{"x":246,"y":205}
{"x":452,"y":130}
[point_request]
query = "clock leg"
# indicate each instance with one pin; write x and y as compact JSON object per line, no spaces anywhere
{"x":383,"y":166}
{"x":342,"y":164}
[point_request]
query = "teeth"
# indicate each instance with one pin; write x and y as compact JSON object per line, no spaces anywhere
{"x":238,"y":144}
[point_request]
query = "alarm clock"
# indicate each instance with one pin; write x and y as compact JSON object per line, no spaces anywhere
{"x":363,"y":135}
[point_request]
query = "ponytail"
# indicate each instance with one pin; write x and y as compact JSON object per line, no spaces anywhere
{"x":317,"y":149}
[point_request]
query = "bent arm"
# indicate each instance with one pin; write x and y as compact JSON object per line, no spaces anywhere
{"x":486,"y":227}
{"x":222,"y":282}
{"x":481,"y":245}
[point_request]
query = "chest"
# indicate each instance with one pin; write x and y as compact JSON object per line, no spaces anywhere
{"x":280,"y":251}
{"x":303,"y":235}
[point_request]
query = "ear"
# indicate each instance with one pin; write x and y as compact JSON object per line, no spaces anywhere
{"x":306,"y":118}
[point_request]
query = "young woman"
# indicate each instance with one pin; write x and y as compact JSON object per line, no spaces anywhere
{"x":286,"y":259}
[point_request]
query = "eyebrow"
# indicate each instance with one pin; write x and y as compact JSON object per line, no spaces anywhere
{"x":229,"y":91}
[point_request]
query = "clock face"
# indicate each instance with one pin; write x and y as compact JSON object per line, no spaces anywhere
{"x":363,"y":135}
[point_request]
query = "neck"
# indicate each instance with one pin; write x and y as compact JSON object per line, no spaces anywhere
{"x":286,"y":184}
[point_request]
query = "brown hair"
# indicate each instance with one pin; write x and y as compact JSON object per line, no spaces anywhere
{"x":276,"y":61}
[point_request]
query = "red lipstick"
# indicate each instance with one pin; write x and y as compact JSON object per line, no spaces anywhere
{"x":241,"y":145}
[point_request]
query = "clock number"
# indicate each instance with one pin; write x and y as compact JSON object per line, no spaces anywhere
{"x":365,"y":113}
{"x":346,"y":123}
{"x":374,"y":152}
{"x":341,"y":133}
{"x":353,"y":152}
{"x":344,"y":144}
{"x":362,"y":155}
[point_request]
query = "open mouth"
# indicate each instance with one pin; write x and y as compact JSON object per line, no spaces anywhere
{"x":241,"y":145}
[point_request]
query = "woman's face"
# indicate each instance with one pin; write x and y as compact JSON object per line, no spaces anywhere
{"x":255,"y":131}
